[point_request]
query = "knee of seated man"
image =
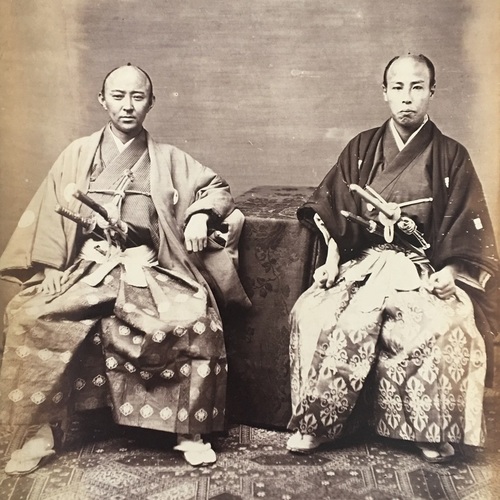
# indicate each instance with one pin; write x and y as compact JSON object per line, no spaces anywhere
{"x":235,"y":221}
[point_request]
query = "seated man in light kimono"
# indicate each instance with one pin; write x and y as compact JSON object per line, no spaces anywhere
{"x":136,"y":282}
{"x":401,"y":315}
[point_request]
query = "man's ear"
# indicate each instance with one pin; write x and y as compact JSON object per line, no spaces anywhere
{"x":102,"y":102}
{"x":433,"y":89}
{"x":384,"y":90}
{"x":152,"y":102}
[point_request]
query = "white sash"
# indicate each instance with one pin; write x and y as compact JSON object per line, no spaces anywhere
{"x":133,"y":259}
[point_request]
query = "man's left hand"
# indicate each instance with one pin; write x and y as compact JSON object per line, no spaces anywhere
{"x":196,"y":233}
{"x":443,"y":282}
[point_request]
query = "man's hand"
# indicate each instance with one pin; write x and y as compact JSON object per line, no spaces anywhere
{"x":196,"y":233}
{"x":325,"y":275}
{"x":443,"y":282}
{"x":53,"y":281}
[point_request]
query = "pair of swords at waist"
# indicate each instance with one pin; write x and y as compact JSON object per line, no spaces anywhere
{"x":389,"y":215}
{"x":111,"y":226}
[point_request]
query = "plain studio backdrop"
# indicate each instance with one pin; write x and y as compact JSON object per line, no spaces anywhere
{"x":266,"y":92}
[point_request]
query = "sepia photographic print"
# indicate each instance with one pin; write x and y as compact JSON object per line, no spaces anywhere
{"x":249,"y":249}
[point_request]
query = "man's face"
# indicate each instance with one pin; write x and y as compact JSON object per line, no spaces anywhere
{"x":127,"y":100}
{"x":408,"y":92}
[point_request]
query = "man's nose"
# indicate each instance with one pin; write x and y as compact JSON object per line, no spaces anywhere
{"x":128,"y":103}
{"x":406,"y":98}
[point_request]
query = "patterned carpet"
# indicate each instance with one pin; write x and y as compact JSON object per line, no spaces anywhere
{"x":104,"y":461}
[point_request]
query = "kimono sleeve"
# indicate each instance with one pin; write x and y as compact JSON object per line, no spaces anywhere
{"x":212,"y":195}
{"x":40,"y":236}
{"x":462,"y":226}
{"x":332,"y":196}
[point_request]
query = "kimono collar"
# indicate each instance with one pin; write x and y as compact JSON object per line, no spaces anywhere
{"x":399,"y":142}
{"x":119,"y":144}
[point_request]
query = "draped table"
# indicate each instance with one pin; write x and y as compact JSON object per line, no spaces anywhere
{"x":278,"y":256}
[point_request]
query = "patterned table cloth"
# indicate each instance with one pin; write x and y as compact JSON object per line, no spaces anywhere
{"x":278,"y":256}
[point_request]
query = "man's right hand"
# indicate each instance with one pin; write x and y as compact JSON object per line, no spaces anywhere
{"x":53,"y":281}
{"x":196,"y":233}
{"x":325,"y":275}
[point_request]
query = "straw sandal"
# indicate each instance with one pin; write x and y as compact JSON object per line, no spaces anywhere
{"x":305,"y":443}
{"x":35,"y":452}
{"x":195,"y":451}
{"x":436,"y":453}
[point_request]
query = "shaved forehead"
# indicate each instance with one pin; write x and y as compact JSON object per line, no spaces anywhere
{"x":408,"y":58}
{"x":129,"y":73}
{"x":407,"y":65}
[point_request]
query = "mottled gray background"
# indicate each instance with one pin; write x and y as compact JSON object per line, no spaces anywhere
{"x":263,"y":91}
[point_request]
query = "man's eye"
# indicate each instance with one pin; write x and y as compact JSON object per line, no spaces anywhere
{"x":139,"y":97}
{"x":117,"y":96}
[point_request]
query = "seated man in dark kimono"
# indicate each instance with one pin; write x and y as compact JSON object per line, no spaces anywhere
{"x":120,"y":293}
{"x":401,"y":317}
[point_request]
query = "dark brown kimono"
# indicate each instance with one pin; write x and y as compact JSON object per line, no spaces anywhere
{"x":379,"y":342}
{"x":460,"y":227}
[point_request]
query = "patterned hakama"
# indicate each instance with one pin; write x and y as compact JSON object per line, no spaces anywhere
{"x":424,"y":356}
{"x":164,"y":364}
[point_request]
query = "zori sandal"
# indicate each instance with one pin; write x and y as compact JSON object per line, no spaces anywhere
{"x":436,"y":453}
{"x":305,"y":444}
{"x":195,"y":451}
{"x":33,"y":454}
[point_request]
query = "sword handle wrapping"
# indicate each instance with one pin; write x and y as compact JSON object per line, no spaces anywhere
{"x":87,"y":200}
{"x":370,"y":225}
{"x":87,"y":223}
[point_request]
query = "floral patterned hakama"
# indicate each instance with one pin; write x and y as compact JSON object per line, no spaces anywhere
{"x":380,"y":340}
